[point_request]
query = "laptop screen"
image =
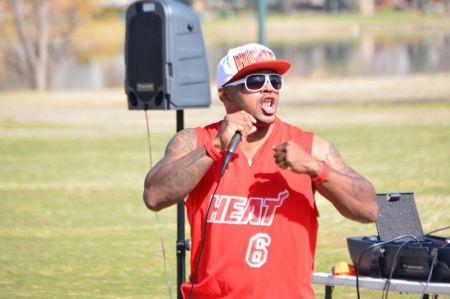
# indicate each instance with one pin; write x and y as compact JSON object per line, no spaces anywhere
{"x":398,"y":216}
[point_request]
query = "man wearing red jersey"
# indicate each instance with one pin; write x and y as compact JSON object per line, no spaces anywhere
{"x":254,"y":228}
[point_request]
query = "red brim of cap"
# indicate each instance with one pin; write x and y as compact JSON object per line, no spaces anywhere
{"x":278,"y":66}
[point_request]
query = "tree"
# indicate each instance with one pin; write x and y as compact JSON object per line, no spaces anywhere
{"x":42,"y":34}
{"x":35,"y":48}
{"x":366,"y":7}
{"x":447,"y":7}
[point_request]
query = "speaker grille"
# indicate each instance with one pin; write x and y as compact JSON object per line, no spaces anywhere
{"x":145,"y":57}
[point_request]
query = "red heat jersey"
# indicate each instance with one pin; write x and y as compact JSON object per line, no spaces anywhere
{"x":261,"y":227}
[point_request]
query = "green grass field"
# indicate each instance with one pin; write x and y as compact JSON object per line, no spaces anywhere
{"x":72,"y":221}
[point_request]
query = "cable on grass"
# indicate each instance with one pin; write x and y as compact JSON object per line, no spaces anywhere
{"x":161,"y":236}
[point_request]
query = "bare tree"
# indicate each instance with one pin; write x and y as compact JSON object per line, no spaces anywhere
{"x":447,"y":7}
{"x":366,"y":7}
{"x":43,"y":31}
{"x":35,"y":47}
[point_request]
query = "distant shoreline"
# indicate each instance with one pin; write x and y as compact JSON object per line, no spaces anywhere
{"x":307,"y":27}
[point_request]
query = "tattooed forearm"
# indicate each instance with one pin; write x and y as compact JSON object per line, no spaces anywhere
{"x":358,"y":186}
{"x":351,"y":193}
{"x":183,"y":174}
{"x":184,"y":139}
{"x":359,"y":183}
{"x":332,"y":154}
{"x":180,"y":170}
{"x":349,"y":172}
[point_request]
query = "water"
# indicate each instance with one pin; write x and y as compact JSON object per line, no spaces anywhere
{"x":362,"y":56}
{"x":371,"y":57}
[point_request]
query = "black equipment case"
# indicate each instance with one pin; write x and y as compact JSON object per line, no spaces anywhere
{"x":400,"y":250}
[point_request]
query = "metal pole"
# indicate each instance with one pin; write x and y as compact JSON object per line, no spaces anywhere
{"x":181,"y":242}
{"x":262,"y":22}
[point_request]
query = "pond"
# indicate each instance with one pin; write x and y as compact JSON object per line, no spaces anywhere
{"x":362,"y":56}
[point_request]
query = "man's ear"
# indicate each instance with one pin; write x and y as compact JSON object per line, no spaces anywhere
{"x":223,"y":96}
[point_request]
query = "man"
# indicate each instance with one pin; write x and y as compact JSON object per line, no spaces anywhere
{"x":254,"y":228}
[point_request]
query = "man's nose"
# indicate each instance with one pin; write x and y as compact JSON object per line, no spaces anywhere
{"x":267,"y":87}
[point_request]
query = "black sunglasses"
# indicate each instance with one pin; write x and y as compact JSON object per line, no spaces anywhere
{"x":256,"y":82}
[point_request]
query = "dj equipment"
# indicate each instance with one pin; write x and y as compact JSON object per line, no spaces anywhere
{"x":400,"y":250}
{"x":165,"y":57}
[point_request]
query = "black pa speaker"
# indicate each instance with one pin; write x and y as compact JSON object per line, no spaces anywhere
{"x":165,"y":57}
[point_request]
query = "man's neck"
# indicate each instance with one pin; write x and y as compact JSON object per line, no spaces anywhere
{"x":256,"y":140}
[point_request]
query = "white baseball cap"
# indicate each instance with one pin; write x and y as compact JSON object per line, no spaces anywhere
{"x":248,"y":58}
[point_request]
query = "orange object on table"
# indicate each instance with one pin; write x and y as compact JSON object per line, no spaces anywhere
{"x":343,"y":268}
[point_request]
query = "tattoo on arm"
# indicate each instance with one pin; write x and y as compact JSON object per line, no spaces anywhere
{"x":184,"y":174}
{"x":183,"y":167}
{"x":332,"y":154}
{"x":184,"y":141}
{"x":359,"y":183}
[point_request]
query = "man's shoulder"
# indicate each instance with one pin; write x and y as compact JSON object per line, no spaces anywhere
{"x":186,"y":133}
{"x":302,"y":137}
{"x":292,"y":128}
{"x":202,"y":134}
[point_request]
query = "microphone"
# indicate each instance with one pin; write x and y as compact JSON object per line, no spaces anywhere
{"x":230,"y":151}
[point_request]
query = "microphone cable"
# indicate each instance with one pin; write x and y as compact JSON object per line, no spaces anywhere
{"x":396,"y":257}
{"x":372,"y":247}
{"x":434,"y":253}
{"x":230,"y":151}
{"x":161,"y":236}
{"x":202,"y":244}
{"x":394,"y":265}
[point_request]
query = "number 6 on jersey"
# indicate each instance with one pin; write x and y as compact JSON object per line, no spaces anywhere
{"x":257,"y":250}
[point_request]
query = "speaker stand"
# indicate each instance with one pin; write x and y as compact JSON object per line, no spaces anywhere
{"x":181,"y":242}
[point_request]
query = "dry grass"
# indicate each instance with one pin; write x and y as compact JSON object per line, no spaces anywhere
{"x":414,"y":88}
{"x":108,"y":108}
